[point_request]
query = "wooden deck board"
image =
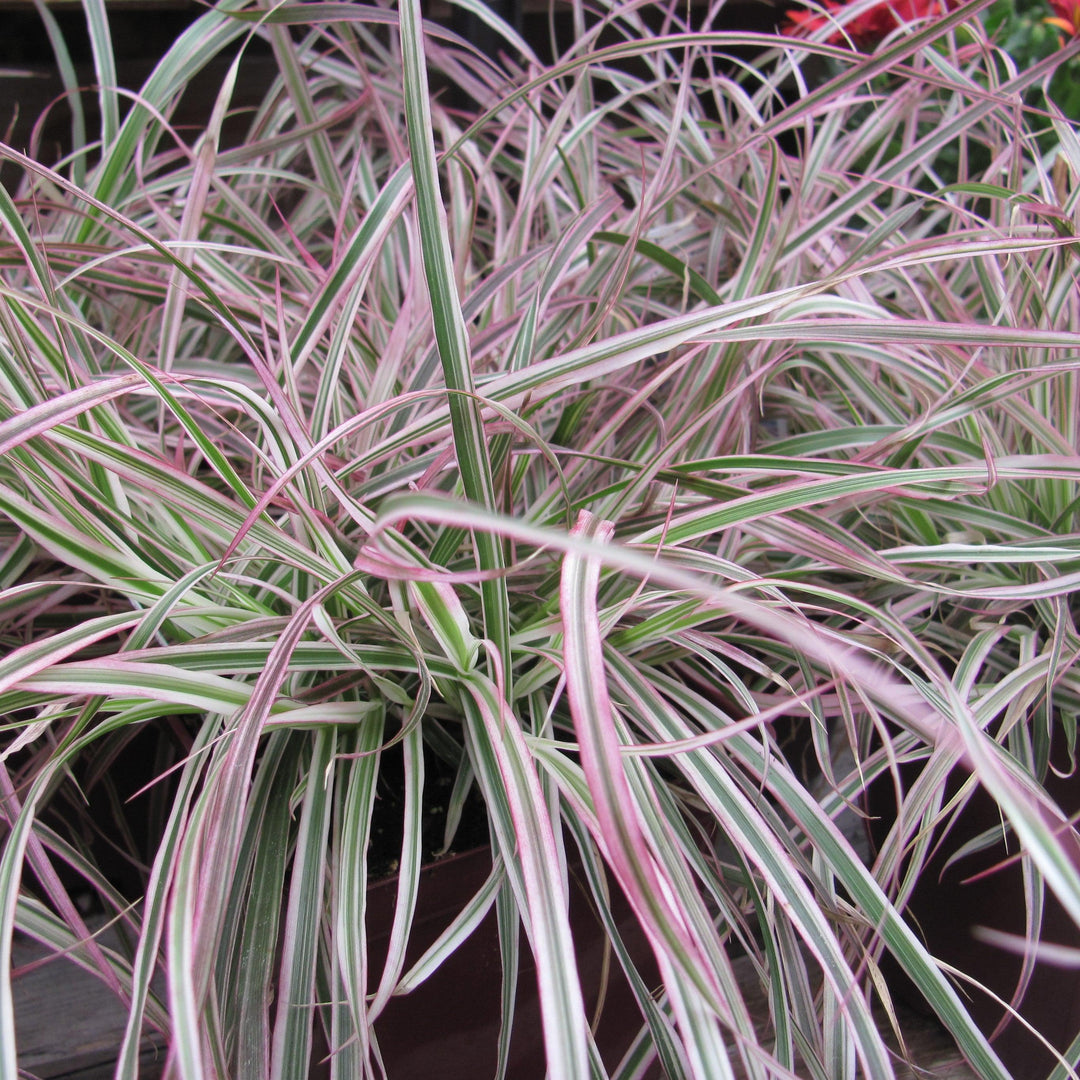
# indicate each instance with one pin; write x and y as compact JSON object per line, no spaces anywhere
{"x":69,"y":1026}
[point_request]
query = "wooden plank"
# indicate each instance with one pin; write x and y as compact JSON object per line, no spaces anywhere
{"x":69,"y":1027}
{"x":931,"y":1053}
{"x":68,"y":1024}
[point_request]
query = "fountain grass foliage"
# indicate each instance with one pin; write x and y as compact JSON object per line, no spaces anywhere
{"x":573,"y":438}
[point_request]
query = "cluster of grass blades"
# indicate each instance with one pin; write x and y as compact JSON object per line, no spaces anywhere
{"x":573,"y":439}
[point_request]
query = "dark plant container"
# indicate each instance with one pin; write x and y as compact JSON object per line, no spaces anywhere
{"x":954,"y":898}
{"x":449,"y":1026}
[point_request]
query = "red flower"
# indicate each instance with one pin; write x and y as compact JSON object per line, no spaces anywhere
{"x":871,"y":25}
{"x":1066,"y":16}
{"x":802,"y":23}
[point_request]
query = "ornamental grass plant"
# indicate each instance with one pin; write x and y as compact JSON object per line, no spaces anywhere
{"x":589,"y":440}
